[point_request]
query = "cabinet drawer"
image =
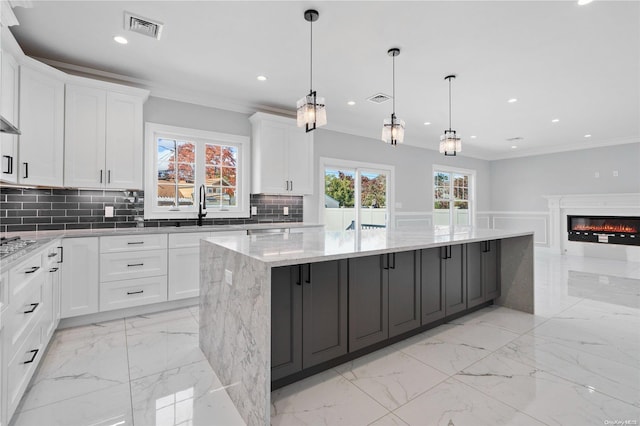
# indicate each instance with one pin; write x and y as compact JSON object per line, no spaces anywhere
{"x":21,"y":276}
{"x":127,"y":293}
{"x":126,"y":266}
{"x":187,"y":240}
{"x":23,"y":314}
{"x":21,"y":369}
{"x":133,"y":243}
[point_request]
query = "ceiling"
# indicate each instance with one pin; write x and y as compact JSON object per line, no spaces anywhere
{"x":577,"y":64}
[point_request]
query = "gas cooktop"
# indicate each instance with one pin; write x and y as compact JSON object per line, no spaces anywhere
{"x":13,"y":244}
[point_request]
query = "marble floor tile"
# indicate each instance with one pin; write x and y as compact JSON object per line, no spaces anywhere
{"x":474,"y":334}
{"x":454,"y":403}
{"x":191,"y":394}
{"x":389,"y":420}
{"x":74,"y":366}
{"x":544,"y":396}
{"x":504,"y":318}
{"x":446,"y":356}
{"x":157,"y":318}
{"x":324,"y":399}
{"x":163,"y":346}
{"x":70,"y":338}
{"x":391,"y":377}
{"x":106,"y":407}
{"x":594,"y":372}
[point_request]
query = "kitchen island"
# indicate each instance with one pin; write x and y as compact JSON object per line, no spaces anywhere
{"x":294,"y":304}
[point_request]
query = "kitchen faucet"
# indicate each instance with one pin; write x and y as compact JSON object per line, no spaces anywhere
{"x":202,"y":204}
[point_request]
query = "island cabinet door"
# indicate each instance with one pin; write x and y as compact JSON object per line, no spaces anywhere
{"x":474,"y":271}
{"x":455,"y":286}
{"x":286,"y":321}
{"x":404,"y":292}
{"x":432,"y":285}
{"x":490,"y":276}
{"x":368,"y":301}
{"x":324,"y":311}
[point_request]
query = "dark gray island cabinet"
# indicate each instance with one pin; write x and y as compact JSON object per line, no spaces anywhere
{"x":325,"y":313}
{"x":277,"y":308}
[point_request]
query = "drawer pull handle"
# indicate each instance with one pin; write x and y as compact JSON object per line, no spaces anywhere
{"x":33,"y":308}
{"x":52,"y":254}
{"x":32,"y":270}
{"x":53,"y":269}
{"x":33,"y":357}
{"x":135,"y":292}
{"x":135,"y":264}
{"x":135,"y":242}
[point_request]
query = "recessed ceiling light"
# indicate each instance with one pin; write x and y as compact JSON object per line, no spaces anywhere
{"x":427,"y":123}
{"x":120,"y":39}
{"x":473,"y":137}
{"x":583,"y":2}
{"x":555,"y":120}
{"x":261,"y":78}
{"x":351,"y":103}
{"x":587,"y":136}
{"x":514,"y":146}
{"x":512,"y":100}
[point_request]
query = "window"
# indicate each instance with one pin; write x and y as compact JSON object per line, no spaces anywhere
{"x":452,"y":196}
{"x":180,"y":160}
{"x":346,"y":182}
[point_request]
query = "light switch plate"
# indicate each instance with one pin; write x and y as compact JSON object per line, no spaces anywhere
{"x":285,"y":211}
{"x":228,"y":276}
{"x":108,"y":211}
{"x":254,"y":210}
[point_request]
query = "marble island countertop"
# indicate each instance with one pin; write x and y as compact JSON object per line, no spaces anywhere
{"x":317,"y":245}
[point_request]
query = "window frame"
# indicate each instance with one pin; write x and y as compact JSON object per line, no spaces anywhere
{"x":153,"y":131}
{"x":471,"y":190}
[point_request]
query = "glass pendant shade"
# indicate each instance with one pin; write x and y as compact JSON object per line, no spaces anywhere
{"x":450,"y":143}
{"x":311,"y":112}
{"x":393,"y":130}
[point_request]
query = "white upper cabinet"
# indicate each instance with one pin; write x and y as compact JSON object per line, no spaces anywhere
{"x":41,"y":144}
{"x":282,"y":156}
{"x":9,"y":110}
{"x":103,"y":135}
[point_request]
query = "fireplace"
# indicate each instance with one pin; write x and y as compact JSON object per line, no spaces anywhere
{"x":604,"y":229}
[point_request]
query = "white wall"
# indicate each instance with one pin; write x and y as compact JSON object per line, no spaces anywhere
{"x":518,"y":184}
{"x":182,"y":114}
{"x":413,"y":167}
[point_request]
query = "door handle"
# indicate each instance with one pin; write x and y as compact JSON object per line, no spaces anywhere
{"x":308,"y":280}
{"x":393,"y":255}
{"x":299,"y":281}
{"x":61,"y":254}
{"x":32,"y":270}
{"x":292,"y":185}
{"x":135,"y":264}
{"x":9,"y":164}
{"x":100,"y":175}
{"x":135,"y":292}
{"x":108,"y":176}
{"x":135,"y":242}
{"x":34,"y":352}
{"x":26,"y":171}
{"x":384,"y":259}
{"x":53,"y":269}
{"x":33,"y":308}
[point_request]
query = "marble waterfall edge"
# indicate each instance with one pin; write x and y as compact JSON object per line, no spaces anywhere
{"x":235,"y":325}
{"x":516,"y":273}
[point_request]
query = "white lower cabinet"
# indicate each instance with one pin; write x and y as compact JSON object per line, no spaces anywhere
{"x":130,"y":277}
{"x":79,"y":276}
{"x":184,"y":262}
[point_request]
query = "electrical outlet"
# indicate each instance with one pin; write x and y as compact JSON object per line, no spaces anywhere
{"x":597,"y":175}
{"x":228,"y":277}
{"x":108,"y":211}
{"x":615,"y":173}
{"x":254,"y":210}
{"x":285,"y":211}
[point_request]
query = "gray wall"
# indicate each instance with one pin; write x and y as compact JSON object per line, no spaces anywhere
{"x":518,"y":184}
{"x":182,"y":114}
{"x":413,"y":167}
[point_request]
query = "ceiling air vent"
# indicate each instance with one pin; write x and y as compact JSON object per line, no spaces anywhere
{"x":143,"y":26}
{"x":379,"y":98}
{"x":517,"y":138}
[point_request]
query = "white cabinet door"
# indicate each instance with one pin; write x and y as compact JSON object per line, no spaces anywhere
{"x":300,"y":152}
{"x":41,"y":143}
{"x":282,"y":156}
{"x":84,"y":138}
{"x":184,"y":273}
{"x":9,"y":110}
{"x":79,"y":276}
{"x":124,"y":141}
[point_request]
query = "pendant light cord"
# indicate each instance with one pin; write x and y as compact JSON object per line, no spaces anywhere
{"x":393,"y":73}
{"x":311,"y":59}
{"x":449,"y":103}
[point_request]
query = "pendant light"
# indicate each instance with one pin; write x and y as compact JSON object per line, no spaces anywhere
{"x":450,"y":144}
{"x":311,"y":109}
{"x":393,"y":128}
